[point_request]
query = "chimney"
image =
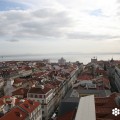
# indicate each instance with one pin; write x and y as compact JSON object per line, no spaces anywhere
{"x":42,"y":86}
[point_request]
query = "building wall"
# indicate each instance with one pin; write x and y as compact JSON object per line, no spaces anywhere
{"x":117,"y":78}
{"x":47,"y":103}
{"x":8,"y":89}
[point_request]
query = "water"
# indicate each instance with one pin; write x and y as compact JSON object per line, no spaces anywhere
{"x":85,"y":58}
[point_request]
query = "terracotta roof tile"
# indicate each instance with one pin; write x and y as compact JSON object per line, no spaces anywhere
{"x":20,"y":91}
{"x":39,"y":90}
{"x":14,"y":114}
{"x":85,"y":77}
{"x":29,"y":105}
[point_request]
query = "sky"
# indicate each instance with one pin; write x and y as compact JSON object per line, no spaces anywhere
{"x":59,"y":26}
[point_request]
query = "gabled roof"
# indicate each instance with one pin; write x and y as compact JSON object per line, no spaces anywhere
{"x":18,"y":80}
{"x":8,"y":100}
{"x":1,"y":102}
{"x":15,"y":114}
{"x":39,"y":90}
{"x":20,"y":91}
{"x":104,"y":107}
{"x":29,"y":105}
{"x":85,"y":77}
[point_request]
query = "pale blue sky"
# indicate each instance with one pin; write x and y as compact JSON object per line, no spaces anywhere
{"x":58,"y":26}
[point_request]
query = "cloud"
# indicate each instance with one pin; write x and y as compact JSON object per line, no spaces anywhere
{"x":89,"y":36}
{"x":118,"y":1}
{"x":118,"y":11}
{"x":97,"y":12}
{"x":45,"y":22}
{"x":57,"y":23}
{"x":13,"y":40}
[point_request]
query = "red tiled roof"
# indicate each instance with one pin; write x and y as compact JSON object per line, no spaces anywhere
{"x":8,"y":100}
{"x":20,"y":91}
{"x":104,"y":106}
{"x":55,"y":83}
{"x":5,"y":97}
{"x":15,"y":114}
{"x":85,"y":77}
{"x":101,"y":71}
{"x":103,"y":110}
{"x":29,"y":105}
{"x":39,"y":74}
{"x":1,"y":102}
{"x":105,"y":80}
{"x":27,"y":68}
{"x":17,"y":80}
{"x":106,"y":101}
{"x":39,"y":90}
{"x":104,"y":119}
{"x":50,"y":86}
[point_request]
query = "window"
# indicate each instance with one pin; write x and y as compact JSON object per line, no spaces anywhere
{"x":40,"y":96}
{"x":42,"y":106}
{"x":42,"y":101}
{"x":42,"y":112}
{"x":35,"y":96}
{"x":31,"y":96}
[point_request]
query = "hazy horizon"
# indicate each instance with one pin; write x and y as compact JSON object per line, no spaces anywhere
{"x":65,"y":53}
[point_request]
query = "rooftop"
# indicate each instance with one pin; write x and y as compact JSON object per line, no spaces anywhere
{"x":14,"y":114}
{"x":29,"y":105}
{"x":86,"y":109}
{"x":39,"y":90}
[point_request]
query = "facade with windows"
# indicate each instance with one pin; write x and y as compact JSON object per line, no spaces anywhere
{"x":44,"y":96}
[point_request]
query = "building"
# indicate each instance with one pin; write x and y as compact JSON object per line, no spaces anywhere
{"x":43,"y":95}
{"x":94,"y":60}
{"x":32,"y":108}
{"x":1,"y":86}
{"x":62,"y":61}
{"x":15,"y":114}
{"x":8,"y":88}
{"x":114,"y":75}
{"x":86,"y":109}
{"x":20,"y":93}
{"x":117,"y":78}
{"x":68,"y":105}
{"x":96,"y":108}
{"x":14,"y":109}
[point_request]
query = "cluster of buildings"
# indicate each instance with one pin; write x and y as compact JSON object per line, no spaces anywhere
{"x":40,"y":90}
{"x":32,"y":90}
{"x":92,"y":96}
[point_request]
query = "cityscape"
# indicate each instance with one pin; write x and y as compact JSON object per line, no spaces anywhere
{"x":41,"y":90}
{"x":59,"y":59}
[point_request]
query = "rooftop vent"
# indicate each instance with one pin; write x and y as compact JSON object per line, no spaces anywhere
{"x":42,"y":86}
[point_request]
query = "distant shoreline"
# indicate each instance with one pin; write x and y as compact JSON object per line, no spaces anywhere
{"x":85,"y":58}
